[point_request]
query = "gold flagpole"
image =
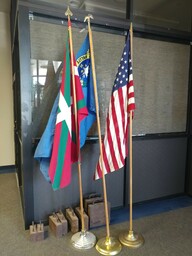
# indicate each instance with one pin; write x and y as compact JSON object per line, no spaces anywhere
{"x":83,"y":239}
{"x":132,"y":239}
{"x":107,"y":245}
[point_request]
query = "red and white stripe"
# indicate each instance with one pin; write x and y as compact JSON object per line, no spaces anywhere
{"x":115,"y":145}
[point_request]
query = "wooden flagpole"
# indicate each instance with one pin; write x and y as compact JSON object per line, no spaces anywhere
{"x":108,"y":245}
{"x":82,"y":240}
{"x":69,"y":13}
{"x":132,"y":239}
{"x":98,"y":123}
{"x":131,"y":147}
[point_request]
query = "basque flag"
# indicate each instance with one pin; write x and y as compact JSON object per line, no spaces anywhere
{"x":65,"y":145}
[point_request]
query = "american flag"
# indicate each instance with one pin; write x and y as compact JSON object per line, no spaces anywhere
{"x":115,"y":144}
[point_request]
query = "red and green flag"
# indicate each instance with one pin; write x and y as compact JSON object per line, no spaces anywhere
{"x":66,"y":142}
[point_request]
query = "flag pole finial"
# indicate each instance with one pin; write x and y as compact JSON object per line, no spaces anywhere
{"x":68,"y":12}
{"x":88,"y":18}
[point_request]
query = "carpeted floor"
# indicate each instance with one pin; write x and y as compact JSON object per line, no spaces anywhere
{"x":165,"y":234}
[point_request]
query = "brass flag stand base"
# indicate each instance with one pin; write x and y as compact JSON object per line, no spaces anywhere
{"x":132,"y":239}
{"x":83,"y":240}
{"x":108,"y":246}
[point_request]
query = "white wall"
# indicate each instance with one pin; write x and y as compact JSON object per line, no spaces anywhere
{"x":6,"y":94}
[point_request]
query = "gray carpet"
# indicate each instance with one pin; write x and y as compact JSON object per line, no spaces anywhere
{"x":167,"y":234}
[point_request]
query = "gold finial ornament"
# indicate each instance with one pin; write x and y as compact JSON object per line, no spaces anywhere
{"x":68,"y":12}
{"x":88,"y":17}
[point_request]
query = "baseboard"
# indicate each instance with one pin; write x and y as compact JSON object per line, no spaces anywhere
{"x":7,"y":169}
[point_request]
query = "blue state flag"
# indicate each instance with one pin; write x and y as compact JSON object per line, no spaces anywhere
{"x":85,"y":74}
{"x":44,"y":147}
